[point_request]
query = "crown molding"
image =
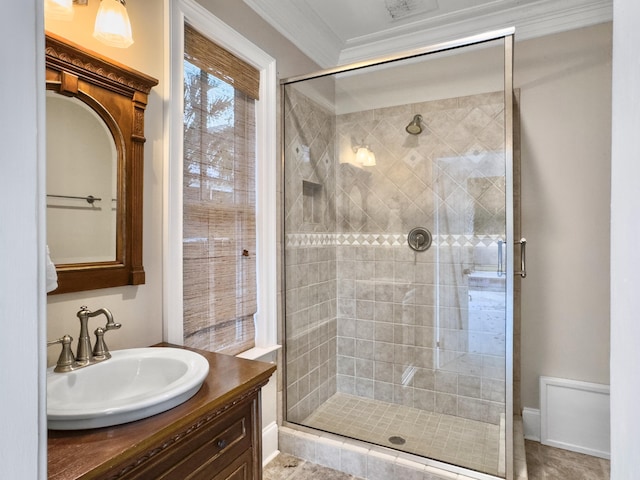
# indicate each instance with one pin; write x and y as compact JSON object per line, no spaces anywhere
{"x":304,"y":28}
{"x":542,"y":18}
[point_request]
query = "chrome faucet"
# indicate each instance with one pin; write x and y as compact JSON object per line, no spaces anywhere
{"x":85,"y":355}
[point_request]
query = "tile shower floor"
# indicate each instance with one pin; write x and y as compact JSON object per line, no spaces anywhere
{"x":450,"y":439}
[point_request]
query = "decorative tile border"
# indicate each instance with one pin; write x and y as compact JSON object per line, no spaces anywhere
{"x":301,"y":240}
{"x":310,"y":240}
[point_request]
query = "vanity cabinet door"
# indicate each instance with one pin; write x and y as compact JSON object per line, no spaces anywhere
{"x":222,"y":448}
{"x":240,"y":469}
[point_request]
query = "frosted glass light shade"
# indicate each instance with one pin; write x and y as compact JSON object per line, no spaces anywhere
{"x":365,"y":157}
{"x":112,"y":25}
{"x":58,"y":9}
{"x":371,"y":160}
{"x":361,"y":155}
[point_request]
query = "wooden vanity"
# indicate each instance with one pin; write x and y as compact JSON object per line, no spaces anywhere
{"x":215,"y":435}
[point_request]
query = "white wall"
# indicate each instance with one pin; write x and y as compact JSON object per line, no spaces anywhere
{"x":625,"y":232}
{"x":138,"y":308}
{"x":22,"y":307}
{"x":565,"y":84}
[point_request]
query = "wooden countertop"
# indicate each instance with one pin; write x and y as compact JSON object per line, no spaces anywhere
{"x":80,"y":454}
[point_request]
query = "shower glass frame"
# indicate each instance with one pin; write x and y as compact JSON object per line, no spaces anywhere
{"x":507,"y":35}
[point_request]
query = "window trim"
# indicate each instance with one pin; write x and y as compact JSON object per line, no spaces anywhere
{"x":179,"y":12}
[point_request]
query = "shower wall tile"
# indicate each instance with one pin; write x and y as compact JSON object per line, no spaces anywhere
{"x":345,"y":384}
{"x":364,"y":387}
{"x":377,"y":295}
{"x":403,"y":395}
{"x":446,"y":403}
{"x":347,"y":328}
{"x":424,"y":399}
{"x":346,"y":365}
{"x":492,"y":367}
{"x":364,"y":368}
{"x":383,"y":391}
{"x":364,"y":349}
{"x":424,"y":378}
{"x":446,"y":382}
{"x":346,"y":346}
{"x":383,"y":371}
{"x":312,"y":332}
{"x":383,"y":352}
{"x":473,"y":409}
{"x":365,"y":311}
{"x":364,"y":325}
{"x":469,"y":386}
{"x":493,"y":390}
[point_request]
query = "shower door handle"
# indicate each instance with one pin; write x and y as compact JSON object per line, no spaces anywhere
{"x":523,"y":257}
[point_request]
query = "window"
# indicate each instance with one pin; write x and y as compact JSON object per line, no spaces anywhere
{"x":186,"y":14}
{"x":219,"y":199}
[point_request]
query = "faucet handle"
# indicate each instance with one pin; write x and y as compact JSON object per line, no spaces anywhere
{"x":66,"y":361}
{"x":100,"y":350}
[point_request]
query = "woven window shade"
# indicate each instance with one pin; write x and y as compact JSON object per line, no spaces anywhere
{"x":219,"y":230}
{"x":206,"y":55}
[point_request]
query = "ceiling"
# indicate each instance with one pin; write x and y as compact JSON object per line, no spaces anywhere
{"x":339,"y":32}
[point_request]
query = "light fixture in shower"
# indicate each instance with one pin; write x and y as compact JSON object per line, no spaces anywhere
{"x":364,"y":156}
{"x":112,"y":26}
{"x":415,"y":126}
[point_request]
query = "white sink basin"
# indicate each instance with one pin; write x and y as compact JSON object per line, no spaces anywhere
{"x":131,"y":385}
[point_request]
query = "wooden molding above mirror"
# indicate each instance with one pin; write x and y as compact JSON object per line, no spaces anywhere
{"x":117,"y":94}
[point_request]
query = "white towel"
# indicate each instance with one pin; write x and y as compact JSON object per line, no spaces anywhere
{"x":52,"y":276}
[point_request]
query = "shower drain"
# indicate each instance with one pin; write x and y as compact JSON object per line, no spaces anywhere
{"x":396,"y":440}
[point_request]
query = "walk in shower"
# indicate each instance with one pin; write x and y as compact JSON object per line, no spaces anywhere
{"x":398,"y":233}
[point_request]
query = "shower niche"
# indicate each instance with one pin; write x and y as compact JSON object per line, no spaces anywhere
{"x":311,"y":202}
{"x":409,"y":349}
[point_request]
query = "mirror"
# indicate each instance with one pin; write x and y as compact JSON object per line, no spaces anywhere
{"x":95,"y":138}
{"x":82,"y":183}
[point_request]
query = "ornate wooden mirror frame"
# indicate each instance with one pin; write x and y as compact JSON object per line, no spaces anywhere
{"x":118,"y":94}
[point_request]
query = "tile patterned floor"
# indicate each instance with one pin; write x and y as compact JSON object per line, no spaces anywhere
{"x":548,"y":463}
{"x":454,"y":440}
{"x":543,"y":463}
{"x":287,"y":467}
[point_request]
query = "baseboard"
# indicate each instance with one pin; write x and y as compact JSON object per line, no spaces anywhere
{"x":269,"y":442}
{"x":531,"y":423}
{"x":574,"y":415}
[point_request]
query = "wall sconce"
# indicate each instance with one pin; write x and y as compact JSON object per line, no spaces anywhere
{"x":112,"y":26}
{"x":364,"y":156}
{"x":59,"y":9}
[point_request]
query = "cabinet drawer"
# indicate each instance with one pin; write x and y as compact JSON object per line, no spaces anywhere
{"x":205,"y":452}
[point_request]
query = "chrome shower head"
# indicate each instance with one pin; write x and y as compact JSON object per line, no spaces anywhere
{"x":415,"y":127}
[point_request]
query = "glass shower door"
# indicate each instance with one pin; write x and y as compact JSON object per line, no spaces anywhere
{"x":407,"y":348}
